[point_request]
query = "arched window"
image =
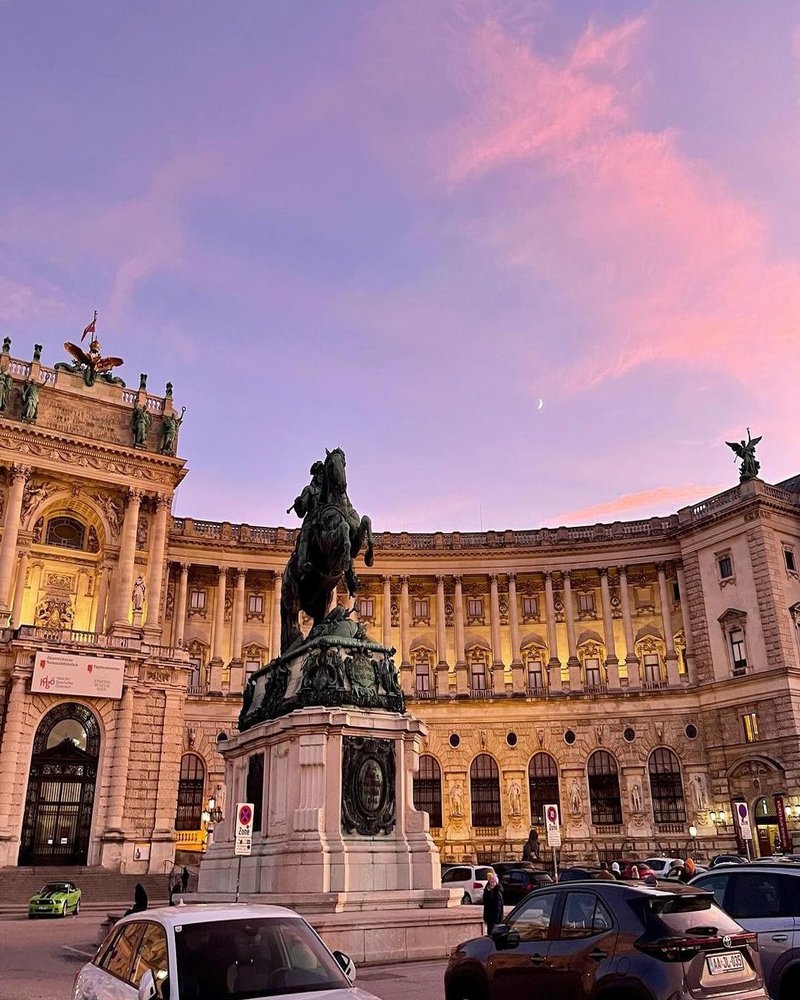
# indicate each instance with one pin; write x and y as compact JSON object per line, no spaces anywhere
{"x":65,"y":532}
{"x":484,"y":791}
{"x":543,"y":784}
{"x":604,"y":789}
{"x":190,"y":793}
{"x":666,"y":787}
{"x":428,"y":788}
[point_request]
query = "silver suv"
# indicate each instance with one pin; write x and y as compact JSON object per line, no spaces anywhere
{"x":471,"y":879}
{"x":766,"y":899}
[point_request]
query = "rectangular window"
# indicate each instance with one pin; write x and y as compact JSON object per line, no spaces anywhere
{"x":585,"y":603}
{"x":254,"y":789}
{"x":535,"y":674}
{"x":197,"y":600}
{"x":250,"y":667}
{"x":750,"y":722}
{"x":255,"y":604}
{"x":592,"y":670}
{"x":197,"y":673}
{"x":788,"y":556}
{"x":422,"y":680}
{"x":366,"y":607}
{"x":530,"y":607}
{"x":421,"y":607}
{"x":725,"y":564}
{"x":478,"y":677}
{"x":652,"y":668}
{"x":738,"y":651}
{"x":474,"y":607}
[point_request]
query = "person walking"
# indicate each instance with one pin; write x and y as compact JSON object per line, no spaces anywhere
{"x":615,"y":871}
{"x":492,"y":903}
{"x":185,"y":880}
{"x":139,"y":900}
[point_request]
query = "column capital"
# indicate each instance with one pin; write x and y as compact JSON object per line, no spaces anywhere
{"x":404,"y":580}
{"x":19,"y":471}
{"x":512,"y":578}
{"x":661,"y":568}
{"x":603,"y":571}
{"x":241,"y":573}
{"x":440,"y":579}
{"x":222,"y":571}
{"x":622,"y":570}
{"x":548,"y":575}
{"x":184,"y":567}
{"x":134,"y":494}
{"x":566,"y":577}
{"x":492,"y":578}
{"x":386,"y":578}
{"x":457,"y":579}
{"x":162,"y":500}
{"x":278,"y":580}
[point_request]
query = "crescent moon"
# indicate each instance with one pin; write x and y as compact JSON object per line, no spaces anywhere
{"x":540,"y":404}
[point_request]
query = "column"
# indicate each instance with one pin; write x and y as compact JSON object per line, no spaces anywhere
{"x":8,"y":546}
{"x":631,"y":659}
{"x":554,"y":664}
{"x":237,"y":666}
{"x":19,"y":589}
{"x":407,"y":681}
{"x":517,"y":669}
{"x":102,"y":599}
{"x":9,"y":754}
{"x":687,"y":624}
{"x":275,"y":632}
{"x":386,"y":613}
{"x":498,"y":670}
{"x":442,"y":669}
{"x":180,"y":604}
{"x":612,"y":663}
{"x":462,"y":680}
{"x":573,"y":663}
{"x":219,"y":630}
{"x":168,"y":775}
{"x":673,"y":677}
{"x":127,"y":555}
{"x":155,"y":569}
{"x":119,"y":765}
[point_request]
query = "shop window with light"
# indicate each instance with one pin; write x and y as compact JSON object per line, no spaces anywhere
{"x":725,"y":566}
{"x":484,"y":789}
{"x":542,"y":784}
{"x":738,"y":650}
{"x":65,"y":532}
{"x":255,"y":604}
{"x":428,"y":789}
{"x":750,"y":725}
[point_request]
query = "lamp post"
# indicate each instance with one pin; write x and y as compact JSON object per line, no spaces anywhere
{"x":693,"y":835}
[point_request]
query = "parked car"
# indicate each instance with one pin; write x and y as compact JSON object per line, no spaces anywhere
{"x":471,"y":879}
{"x":501,"y":867}
{"x":215,"y":950}
{"x":765,"y":899}
{"x":56,"y":899}
{"x":662,"y":866}
{"x":726,"y":859}
{"x":518,"y":882}
{"x":610,"y":940}
{"x":577,"y":874}
{"x":626,"y":866}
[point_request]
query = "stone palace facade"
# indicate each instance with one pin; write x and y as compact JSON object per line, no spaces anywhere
{"x":644,"y":675}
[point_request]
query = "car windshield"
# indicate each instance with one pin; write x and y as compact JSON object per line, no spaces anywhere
{"x":690,"y":914}
{"x":258,"y":957}
{"x":482,"y":874}
{"x":55,"y":887}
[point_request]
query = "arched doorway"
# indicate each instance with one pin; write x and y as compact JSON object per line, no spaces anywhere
{"x":766,"y":821}
{"x":58,"y":807}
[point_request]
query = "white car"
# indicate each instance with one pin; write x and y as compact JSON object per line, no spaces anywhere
{"x":471,"y":879}
{"x":216,"y":952}
{"x":661,"y":866}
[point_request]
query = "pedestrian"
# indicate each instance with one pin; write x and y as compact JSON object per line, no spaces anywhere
{"x":615,"y":870}
{"x":604,"y":873}
{"x":175,"y":890}
{"x":634,"y":872}
{"x":185,"y":879}
{"x":139,"y":900}
{"x":492,"y":903}
{"x":688,"y":872}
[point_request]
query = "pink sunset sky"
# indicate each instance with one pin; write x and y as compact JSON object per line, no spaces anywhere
{"x":397,"y":226}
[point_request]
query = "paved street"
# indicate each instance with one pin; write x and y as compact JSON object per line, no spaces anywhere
{"x":35,"y":965}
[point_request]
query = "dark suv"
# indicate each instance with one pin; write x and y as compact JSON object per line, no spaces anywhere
{"x":764,"y":898}
{"x":517,"y":882}
{"x":610,"y":940}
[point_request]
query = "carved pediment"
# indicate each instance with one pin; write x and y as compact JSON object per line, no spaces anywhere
{"x":732,"y":616}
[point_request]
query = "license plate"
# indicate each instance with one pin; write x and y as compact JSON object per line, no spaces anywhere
{"x":730,"y":961}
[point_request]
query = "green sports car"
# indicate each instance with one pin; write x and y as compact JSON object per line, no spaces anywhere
{"x":56,"y":899}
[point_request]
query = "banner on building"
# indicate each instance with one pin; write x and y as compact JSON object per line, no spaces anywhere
{"x":783,"y":826}
{"x":69,"y":673}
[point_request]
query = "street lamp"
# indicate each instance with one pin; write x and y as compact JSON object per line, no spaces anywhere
{"x":718,"y":818}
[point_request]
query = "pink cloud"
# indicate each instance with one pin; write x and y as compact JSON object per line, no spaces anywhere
{"x":664,"y":499}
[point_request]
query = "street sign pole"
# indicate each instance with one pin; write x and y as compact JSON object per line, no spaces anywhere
{"x":238,"y":876}
{"x":243,"y":837}
{"x":552,"y":825}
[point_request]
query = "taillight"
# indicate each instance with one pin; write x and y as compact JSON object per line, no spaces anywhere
{"x":682,"y":949}
{"x":477,"y":885}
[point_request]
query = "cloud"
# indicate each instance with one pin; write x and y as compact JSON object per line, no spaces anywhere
{"x":665,"y":499}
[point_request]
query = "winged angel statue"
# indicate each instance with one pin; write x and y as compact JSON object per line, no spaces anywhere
{"x":91,"y":365}
{"x":746,"y":451}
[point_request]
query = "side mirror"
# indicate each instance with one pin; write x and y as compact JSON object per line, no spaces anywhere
{"x":505,"y":937}
{"x":147,"y":986}
{"x":347,"y":964}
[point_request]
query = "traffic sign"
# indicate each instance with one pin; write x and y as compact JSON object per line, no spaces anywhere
{"x":743,"y":819}
{"x":552,"y":825}
{"x":244,"y":820}
{"x":243,"y":847}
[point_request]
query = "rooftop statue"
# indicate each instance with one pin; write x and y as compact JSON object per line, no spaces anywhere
{"x":91,"y":365}
{"x":746,"y":451}
{"x":330,"y":539}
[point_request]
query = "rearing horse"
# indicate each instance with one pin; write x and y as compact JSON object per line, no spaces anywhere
{"x":335,"y":536}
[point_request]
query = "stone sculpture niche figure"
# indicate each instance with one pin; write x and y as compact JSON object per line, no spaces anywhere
{"x":456,"y":800}
{"x":30,"y":401}
{"x":515,"y":798}
{"x":5,"y":390}
{"x":636,"y":799}
{"x":575,"y":798}
{"x":169,"y":432}
{"x":140,"y":422}
{"x":138,"y":595}
{"x":746,"y":451}
{"x":331,"y":538}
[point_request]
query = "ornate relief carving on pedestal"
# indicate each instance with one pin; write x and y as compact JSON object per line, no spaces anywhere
{"x":55,"y":612}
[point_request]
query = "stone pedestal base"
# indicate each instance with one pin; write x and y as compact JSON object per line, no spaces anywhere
{"x":337,"y":817}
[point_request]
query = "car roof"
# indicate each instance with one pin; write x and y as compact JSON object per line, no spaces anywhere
{"x":660,"y":890}
{"x":198,"y":913}
{"x":748,"y":866}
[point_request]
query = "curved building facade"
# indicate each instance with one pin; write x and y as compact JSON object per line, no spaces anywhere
{"x":644,"y":675}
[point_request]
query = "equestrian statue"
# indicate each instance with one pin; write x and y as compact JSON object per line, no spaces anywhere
{"x":330,"y":539}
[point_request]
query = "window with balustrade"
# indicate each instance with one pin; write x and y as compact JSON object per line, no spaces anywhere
{"x":428,"y":789}
{"x":530,"y":609}
{"x":651,"y":669}
{"x":542,"y":784}
{"x":190,"y":792}
{"x":474,"y":611}
{"x":365,"y":606}
{"x":666,"y":787}
{"x":421,"y":660}
{"x":484,"y":790}
{"x":478,"y":669}
{"x":604,"y":796}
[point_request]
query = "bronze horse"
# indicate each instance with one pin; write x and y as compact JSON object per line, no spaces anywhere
{"x":335,"y":536}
